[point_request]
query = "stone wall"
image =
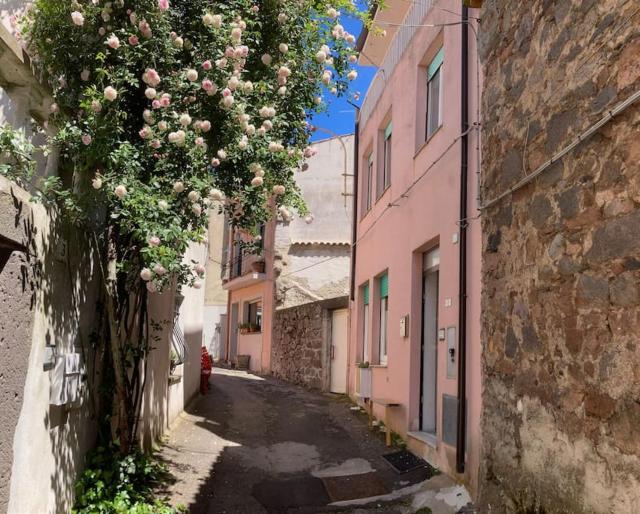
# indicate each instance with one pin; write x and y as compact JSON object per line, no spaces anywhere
{"x":561,"y":258}
{"x":300,"y":342}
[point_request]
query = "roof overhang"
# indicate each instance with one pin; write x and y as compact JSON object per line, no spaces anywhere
{"x":372,"y":44}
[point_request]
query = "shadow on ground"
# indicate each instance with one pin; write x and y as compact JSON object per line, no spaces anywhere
{"x":255,"y":445}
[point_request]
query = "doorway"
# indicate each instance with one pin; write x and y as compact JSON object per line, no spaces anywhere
{"x":233,"y":334}
{"x":429,"y":364}
{"x":339,"y":325}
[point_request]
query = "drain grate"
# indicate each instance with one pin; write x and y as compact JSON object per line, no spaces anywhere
{"x":404,"y":461}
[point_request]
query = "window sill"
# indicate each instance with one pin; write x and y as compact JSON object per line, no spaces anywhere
{"x":382,"y":194}
{"x":378,"y":366}
{"x":428,"y":140}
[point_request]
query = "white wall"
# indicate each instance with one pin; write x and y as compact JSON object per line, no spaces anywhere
{"x":313,"y":259}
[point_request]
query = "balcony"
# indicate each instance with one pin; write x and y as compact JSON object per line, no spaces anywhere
{"x":242,"y":269}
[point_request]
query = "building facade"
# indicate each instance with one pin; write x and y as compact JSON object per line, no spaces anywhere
{"x":281,"y":301}
{"x":561,"y":256}
{"x":49,"y":312}
{"x":415,"y":324}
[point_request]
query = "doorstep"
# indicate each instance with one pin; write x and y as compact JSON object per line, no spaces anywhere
{"x":424,"y":437}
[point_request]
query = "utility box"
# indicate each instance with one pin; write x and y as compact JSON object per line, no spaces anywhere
{"x":66,"y":379}
{"x":452,"y":352}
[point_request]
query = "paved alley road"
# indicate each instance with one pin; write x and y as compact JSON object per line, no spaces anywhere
{"x":255,"y":445}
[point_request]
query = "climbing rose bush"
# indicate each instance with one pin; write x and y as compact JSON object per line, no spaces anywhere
{"x":166,"y":109}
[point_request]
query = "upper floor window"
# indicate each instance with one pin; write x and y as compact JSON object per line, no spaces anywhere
{"x":384,"y":176}
{"x":434,"y":93}
{"x":367,"y":184}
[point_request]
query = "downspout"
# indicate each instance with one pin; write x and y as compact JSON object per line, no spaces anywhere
{"x":354,"y":213}
{"x":462,"y":310}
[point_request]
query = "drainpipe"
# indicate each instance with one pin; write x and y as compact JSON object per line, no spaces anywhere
{"x":354,"y":214}
{"x":462,"y":311}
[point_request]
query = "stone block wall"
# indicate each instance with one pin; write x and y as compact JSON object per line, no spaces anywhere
{"x":300,"y":343}
{"x":561,"y":258}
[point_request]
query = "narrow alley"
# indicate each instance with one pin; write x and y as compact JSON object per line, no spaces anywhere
{"x":256,"y":444}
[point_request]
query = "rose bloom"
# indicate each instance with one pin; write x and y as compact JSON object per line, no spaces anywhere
{"x":163,"y":5}
{"x":178,"y":187}
{"x":205,"y":126}
{"x":257,"y":181}
{"x":178,"y":42}
{"x":200,"y":269}
{"x":86,"y":139}
{"x":96,"y":183}
{"x":266,"y":59}
{"x":162,"y":126}
{"x":154,"y":241}
{"x":197,"y":209}
{"x":197,"y":284}
{"x":193,"y":196}
{"x":215,"y":162}
{"x":222,"y":154}
{"x":77,"y":18}
{"x":84,"y":75}
{"x":146,"y":274}
{"x":207,"y":85}
{"x":120,"y":191}
{"x":279,"y":189}
{"x":199,"y":141}
{"x":150,"y":93}
{"x":151,"y":77}
{"x":133,"y":40}
{"x":151,"y":287}
{"x":216,"y":195}
{"x":192,"y":75}
{"x":227,"y":101}
{"x":283,"y":47}
{"x":110,"y":93}
{"x":113,"y":42}
{"x":206,"y":65}
{"x":159,"y":270}
{"x":185,"y":120}
{"x":96,"y":106}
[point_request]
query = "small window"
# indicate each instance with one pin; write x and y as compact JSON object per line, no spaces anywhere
{"x":384,"y":176}
{"x":366,"y":354}
{"x":254,"y":316}
{"x":384,"y":317}
{"x":367,"y":184}
{"x":434,"y":94}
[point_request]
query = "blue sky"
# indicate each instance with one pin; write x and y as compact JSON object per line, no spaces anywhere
{"x":340,"y":116}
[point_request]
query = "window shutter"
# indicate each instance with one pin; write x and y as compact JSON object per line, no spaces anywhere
{"x":384,"y":286}
{"x":365,"y":293}
{"x":435,"y":64}
{"x":388,"y":130}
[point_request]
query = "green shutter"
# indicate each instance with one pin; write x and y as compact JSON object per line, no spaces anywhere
{"x":388,"y":130}
{"x":435,"y":64}
{"x":365,"y":293}
{"x":384,"y":286}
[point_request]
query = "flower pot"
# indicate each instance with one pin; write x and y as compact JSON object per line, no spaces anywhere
{"x":257,"y":267}
{"x":474,"y":4}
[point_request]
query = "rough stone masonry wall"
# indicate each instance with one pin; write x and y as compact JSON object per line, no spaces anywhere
{"x":300,"y":343}
{"x":561,"y":258}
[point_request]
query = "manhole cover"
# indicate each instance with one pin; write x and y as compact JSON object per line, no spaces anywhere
{"x":353,"y":487}
{"x":278,"y":495}
{"x":405,"y":461}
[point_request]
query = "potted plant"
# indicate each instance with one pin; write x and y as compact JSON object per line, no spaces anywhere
{"x":254,"y":329}
{"x":173,"y":363}
{"x":257,"y":266}
{"x":243,"y":328}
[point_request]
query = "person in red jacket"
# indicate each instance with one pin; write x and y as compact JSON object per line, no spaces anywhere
{"x":205,"y":371}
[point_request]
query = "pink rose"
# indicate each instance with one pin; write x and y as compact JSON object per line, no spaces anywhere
{"x":86,"y":139}
{"x":133,"y":40}
{"x":206,"y":65}
{"x":163,"y":5}
{"x":154,"y":241}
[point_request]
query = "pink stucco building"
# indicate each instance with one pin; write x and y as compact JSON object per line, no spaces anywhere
{"x":418,"y":239}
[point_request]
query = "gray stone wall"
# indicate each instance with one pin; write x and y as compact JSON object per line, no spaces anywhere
{"x":561,"y":258}
{"x":300,"y":343}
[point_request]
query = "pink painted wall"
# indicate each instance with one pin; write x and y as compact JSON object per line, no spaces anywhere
{"x":393,"y":235}
{"x":258,"y":346}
